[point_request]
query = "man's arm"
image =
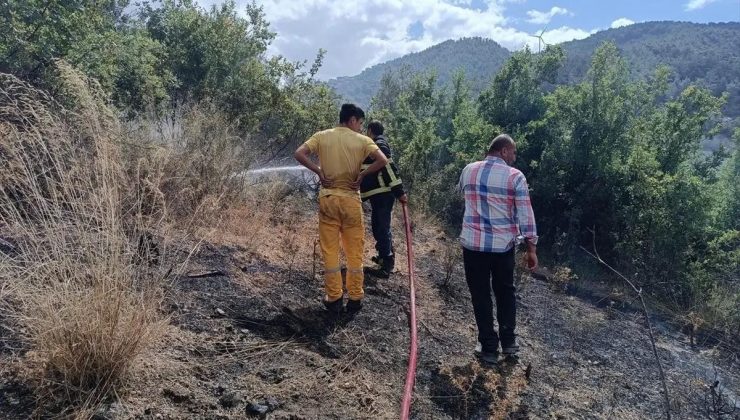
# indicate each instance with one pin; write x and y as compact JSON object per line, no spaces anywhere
{"x":525,"y":219}
{"x":392,"y":178}
{"x":392,"y":171}
{"x":460,"y":187}
{"x":303,"y":156}
{"x":379,"y":162}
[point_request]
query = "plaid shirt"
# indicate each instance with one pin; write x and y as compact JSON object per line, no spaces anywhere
{"x":497,"y":206}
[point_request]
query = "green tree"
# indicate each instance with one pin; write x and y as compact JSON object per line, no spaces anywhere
{"x":217,"y":54}
{"x":677,"y":128}
{"x":580,"y":164}
{"x":515,"y":97}
{"x":95,"y":37}
{"x":129,"y":65}
{"x":302,"y":107}
{"x":35,"y":32}
{"x":620,"y":163}
{"x":728,"y":189}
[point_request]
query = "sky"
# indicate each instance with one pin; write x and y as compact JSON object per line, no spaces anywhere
{"x":359,"y":34}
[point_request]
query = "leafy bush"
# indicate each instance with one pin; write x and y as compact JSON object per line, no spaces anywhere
{"x":610,"y":159}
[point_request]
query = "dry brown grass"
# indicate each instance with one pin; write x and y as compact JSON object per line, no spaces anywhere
{"x":471,"y":389}
{"x":451,"y":257}
{"x":263,"y":221}
{"x":198,"y":155}
{"x":86,"y":296}
{"x":562,"y":278}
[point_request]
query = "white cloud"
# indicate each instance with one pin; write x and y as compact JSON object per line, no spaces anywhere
{"x":535,"y":16}
{"x":697,"y":4}
{"x":377,"y":32}
{"x":621,"y":22}
{"x":356,"y":38}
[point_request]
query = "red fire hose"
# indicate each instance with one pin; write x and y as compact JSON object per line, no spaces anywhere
{"x":411,"y":372}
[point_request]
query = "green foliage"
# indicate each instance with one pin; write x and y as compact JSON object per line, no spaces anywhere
{"x":216,"y":54}
{"x":586,"y":124}
{"x":168,"y":54}
{"x":128,"y":64}
{"x":623,"y":167}
{"x":678,"y":128}
{"x":35,"y":32}
{"x":610,"y":161}
{"x":302,"y":108}
{"x":717,"y":281}
{"x":515,"y":96}
{"x":727,"y":190}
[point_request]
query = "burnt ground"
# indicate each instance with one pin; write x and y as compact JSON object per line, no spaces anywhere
{"x":248,"y":336}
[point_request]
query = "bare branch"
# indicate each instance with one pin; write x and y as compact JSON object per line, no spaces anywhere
{"x":645,"y":312}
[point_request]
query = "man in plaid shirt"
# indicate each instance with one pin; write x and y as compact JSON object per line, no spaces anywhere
{"x":497,"y":211}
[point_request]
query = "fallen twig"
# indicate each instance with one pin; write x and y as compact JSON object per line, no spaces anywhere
{"x":213,"y":273}
{"x":596,"y":256}
{"x":313,"y":274}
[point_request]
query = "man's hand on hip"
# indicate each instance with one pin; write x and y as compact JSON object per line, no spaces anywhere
{"x":357,"y":182}
{"x":326,"y":182}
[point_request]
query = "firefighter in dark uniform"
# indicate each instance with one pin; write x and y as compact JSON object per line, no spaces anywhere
{"x":382,"y":189}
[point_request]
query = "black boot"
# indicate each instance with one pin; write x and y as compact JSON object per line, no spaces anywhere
{"x":386,"y":264}
{"x":354,"y":306}
{"x":389,"y":263}
{"x":336,"y":307}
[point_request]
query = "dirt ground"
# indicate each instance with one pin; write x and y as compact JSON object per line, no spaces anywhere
{"x":248,"y":337}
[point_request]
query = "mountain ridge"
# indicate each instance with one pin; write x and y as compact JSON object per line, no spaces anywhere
{"x":707,"y":54}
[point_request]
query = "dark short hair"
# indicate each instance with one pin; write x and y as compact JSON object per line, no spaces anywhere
{"x":499,"y":143}
{"x":350,"y":110}
{"x":376,"y":127}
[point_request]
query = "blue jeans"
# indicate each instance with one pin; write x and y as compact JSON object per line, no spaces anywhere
{"x":382,"y":207}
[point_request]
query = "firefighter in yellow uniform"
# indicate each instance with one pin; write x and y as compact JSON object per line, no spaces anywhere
{"x":341,"y":151}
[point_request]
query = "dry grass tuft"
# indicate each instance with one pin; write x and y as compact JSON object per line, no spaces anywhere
{"x":562,"y":278}
{"x":85,"y":296}
{"x":451,"y":257}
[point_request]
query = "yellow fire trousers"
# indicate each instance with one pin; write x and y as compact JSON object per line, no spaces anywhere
{"x":341,"y":217}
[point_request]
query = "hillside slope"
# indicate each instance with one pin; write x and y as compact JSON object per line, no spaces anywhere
{"x":248,"y":335}
{"x":707,"y":54}
{"x":479,"y":58}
